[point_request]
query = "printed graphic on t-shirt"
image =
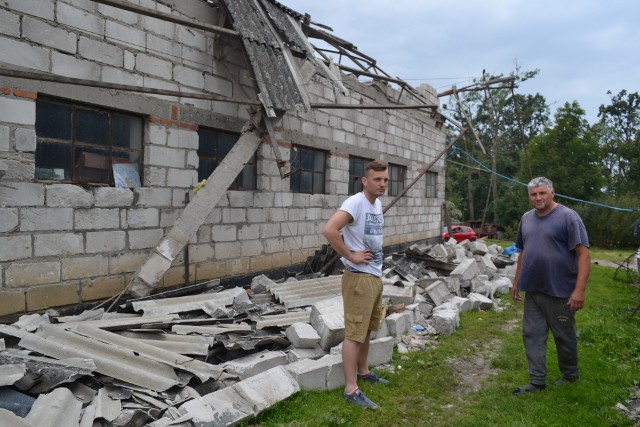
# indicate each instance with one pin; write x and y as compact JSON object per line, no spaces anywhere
{"x":372,"y":236}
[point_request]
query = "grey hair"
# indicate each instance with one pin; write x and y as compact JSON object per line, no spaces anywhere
{"x":541,"y":180}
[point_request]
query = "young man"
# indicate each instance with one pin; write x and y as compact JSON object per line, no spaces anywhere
{"x":355,"y":232}
{"x":552,"y":269}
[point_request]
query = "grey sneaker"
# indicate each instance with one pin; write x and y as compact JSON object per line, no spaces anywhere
{"x":358,"y":398}
{"x":372,"y":377}
{"x":564,"y":380}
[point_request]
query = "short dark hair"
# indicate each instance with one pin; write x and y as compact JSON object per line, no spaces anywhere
{"x":375,"y":165}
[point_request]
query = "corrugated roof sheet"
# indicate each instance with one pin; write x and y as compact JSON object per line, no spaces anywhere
{"x":275,"y":79}
{"x":306,"y":292}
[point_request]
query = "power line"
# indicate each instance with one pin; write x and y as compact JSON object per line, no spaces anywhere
{"x":484,"y":168}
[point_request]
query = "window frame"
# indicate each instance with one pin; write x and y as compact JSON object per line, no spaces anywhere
{"x":397,"y":175}
{"x":90,"y":155}
{"x":431,"y":185}
{"x":299,"y":160}
{"x":249,"y":171}
{"x":356,"y":172}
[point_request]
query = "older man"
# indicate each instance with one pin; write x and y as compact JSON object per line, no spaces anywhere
{"x":552,"y":270}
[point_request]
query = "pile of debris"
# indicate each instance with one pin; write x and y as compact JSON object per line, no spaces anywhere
{"x":221,"y":356}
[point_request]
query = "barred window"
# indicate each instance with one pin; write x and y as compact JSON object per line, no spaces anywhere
{"x":431,"y":181}
{"x":309,"y":166}
{"x":396,"y":179}
{"x":356,"y":172}
{"x":86,"y":144}
{"x":213,"y":146}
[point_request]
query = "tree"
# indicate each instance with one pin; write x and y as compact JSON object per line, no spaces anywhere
{"x":619,"y":136}
{"x":568,"y":154}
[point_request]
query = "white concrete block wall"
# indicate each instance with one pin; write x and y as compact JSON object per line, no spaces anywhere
{"x":68,"y":243}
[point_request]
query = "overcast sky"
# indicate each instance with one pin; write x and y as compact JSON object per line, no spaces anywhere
{"x":583,"y":48}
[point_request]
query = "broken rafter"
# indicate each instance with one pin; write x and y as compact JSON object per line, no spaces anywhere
{"x":480,"y":86}
{"x":46,"y":77}
{"x":125,"y":5}
{"x":211,"y":97}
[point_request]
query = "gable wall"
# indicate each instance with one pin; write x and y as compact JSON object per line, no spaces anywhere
{"x":64,"y":244}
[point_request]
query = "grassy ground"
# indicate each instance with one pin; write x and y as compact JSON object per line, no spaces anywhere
{"x":467,"y":378}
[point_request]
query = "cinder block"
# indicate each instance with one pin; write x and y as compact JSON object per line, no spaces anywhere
{"x":482,"y":301}
{"x":112,"y":197}
{"x":296,"y":354}
{"x":398,"y":323}
{"x":438,"y":292}
{"x":8,"y":219}
{"x":5,"y":143}
{"x":243,"y":400}
{"x":78,"y":18}
{"x":70,"y":66}
{"x":142,"y":239}
{"x":32,"y":273}
{"x":41,"y":8}
{"x":12,"y":302}
{"x":399,"y":294}
{"x":335,"y":375}
{"x":381,"y":351}
{"x":124,"y":34}
{"x":97,"y":219}
{"x":184,"y":178}
{"x":15,"y":247}
{"x":478,"y":247}
{"x":466,"y":270}
{"x":68,"y":196}
{"x":48,"y":35}
{"x":101,"y":52}
{"x":146,"y":63}
{"x":19,"y":194}
{"x":16,"y":110}
{"x":486,"y":266}
{"x":102,"y":288}
{"x":159,"y":197}
{"x":446,"y":321}
{"x":24,"y":55}
{"x":58,"y":244}
{"x":248,"y":366}
{"x":310,"y":374}
{"x":302,"y":335}
{"x":25,"y":140}
{"x":84,"y":267}
{"x":105,"y":241}
{"x":46,"y":219}
{"x":41,"y":297}
{"x":143,"y":218}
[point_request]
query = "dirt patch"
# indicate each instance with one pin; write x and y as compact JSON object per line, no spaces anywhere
{"x":472,"y":372}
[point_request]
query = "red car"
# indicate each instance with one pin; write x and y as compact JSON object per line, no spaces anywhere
{"x":460,"y":233}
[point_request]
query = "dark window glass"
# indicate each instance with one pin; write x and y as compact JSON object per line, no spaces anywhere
{"x":431,"y":185}
{"x":92,"y":127}
{"x":309,"y":169}
{"x":396,"y":179}
{"x":213,"y":146}
{"x":356,"y":172}
{"x":53,"y":120}
{"x":80,"y":144}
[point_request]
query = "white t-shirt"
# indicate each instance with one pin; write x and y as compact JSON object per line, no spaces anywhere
{"x":365,"y":232}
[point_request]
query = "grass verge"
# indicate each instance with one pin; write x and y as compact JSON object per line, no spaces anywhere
{"x":467,"y":378}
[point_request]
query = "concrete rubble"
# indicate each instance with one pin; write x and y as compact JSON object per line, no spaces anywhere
{"x":221,"y":356}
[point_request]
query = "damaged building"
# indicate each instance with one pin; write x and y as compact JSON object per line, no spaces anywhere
{"x":113,"y":113}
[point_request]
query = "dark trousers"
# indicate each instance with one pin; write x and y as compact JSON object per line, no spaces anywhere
{"x":544,"y":313}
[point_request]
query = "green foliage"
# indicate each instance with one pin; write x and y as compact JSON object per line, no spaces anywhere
{"x":611,"y":228}
{"x":619,"y":136}
{"x":428,"y":387}
{"x":567,"y":154}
